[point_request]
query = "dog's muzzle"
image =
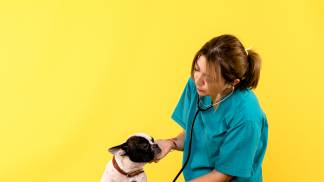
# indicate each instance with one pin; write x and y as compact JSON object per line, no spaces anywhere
{"x":156,"y":149}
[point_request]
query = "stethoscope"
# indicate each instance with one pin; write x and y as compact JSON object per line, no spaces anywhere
{"x":203,"y":109}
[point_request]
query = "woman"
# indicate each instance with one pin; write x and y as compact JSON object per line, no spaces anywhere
{"x":229,"y":139}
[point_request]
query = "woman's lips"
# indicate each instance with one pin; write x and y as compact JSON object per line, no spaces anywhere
{"x":200,"y":90}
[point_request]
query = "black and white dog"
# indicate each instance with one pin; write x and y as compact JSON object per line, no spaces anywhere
{"x":129,"y":159}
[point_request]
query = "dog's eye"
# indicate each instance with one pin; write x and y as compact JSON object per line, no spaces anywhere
{"x":146,"y":146}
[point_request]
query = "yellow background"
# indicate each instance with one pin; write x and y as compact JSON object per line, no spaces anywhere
{"x":78,"y":77}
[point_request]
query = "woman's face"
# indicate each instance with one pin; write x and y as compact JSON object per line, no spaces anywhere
{"x":201,"y":78}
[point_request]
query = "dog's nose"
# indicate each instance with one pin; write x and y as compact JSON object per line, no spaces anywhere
{"x":156,"y":148}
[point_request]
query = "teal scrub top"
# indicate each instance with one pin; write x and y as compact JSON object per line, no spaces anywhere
{"x":231,"y":139}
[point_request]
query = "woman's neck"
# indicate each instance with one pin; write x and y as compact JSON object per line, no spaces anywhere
{"x":218,"y":97}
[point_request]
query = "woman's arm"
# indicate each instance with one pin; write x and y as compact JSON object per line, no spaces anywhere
{"x":213,"y":176}
{"x":178,"y":141}
{"x":167,"y":145}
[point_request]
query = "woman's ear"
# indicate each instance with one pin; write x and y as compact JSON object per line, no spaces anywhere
{"x":236,"y":81}
{"x":122,"y":147}
{"x":232,"y":85}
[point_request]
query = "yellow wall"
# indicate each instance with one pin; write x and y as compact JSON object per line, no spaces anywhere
{"x":78,"y":77}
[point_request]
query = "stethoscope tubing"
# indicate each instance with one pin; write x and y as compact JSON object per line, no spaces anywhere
{"x":191,"y":131}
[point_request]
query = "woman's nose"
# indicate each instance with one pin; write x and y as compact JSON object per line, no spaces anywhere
{"x":200,"y":80}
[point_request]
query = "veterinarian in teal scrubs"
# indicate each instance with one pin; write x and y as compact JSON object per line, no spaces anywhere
{"x":230,"y":139}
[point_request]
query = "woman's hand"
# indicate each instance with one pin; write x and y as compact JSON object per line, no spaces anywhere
{"x":166,"y":146}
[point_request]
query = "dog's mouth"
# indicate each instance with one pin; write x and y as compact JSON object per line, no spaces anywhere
{"x":156,"y":149}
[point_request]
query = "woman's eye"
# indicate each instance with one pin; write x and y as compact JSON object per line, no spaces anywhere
{"x":196,"y":69}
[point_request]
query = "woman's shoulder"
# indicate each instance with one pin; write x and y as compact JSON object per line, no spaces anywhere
{"x":246,"y":99}
{"x":191,"y":83}
{"x":246,"y":107}
{"x":191,"y":86}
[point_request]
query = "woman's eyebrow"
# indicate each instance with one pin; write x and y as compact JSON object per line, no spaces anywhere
{"x":198,"y":67}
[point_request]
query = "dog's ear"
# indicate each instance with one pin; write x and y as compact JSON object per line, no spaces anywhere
{"x":122,"y":148}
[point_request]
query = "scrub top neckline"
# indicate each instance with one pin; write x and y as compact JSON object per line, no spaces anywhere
{"x":206,"y":100}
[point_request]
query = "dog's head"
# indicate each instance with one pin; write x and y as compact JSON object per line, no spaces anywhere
{"x":139,"y":147}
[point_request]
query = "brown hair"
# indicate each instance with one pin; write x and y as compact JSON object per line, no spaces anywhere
{"x":227,"y":57}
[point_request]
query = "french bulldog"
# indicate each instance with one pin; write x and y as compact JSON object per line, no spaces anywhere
{"x":129,"y":159}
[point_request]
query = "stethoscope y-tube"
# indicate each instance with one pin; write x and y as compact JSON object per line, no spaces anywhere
{"x":191,"y":131}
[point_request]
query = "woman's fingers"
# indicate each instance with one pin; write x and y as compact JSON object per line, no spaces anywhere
{"x":165,"y":149}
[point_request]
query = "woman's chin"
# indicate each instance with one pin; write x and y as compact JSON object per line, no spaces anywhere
{"x":201,"y":93}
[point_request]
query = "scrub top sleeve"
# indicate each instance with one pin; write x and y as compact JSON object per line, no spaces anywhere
{"x":236,"y":154}
{"x":181,"y":111}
